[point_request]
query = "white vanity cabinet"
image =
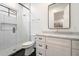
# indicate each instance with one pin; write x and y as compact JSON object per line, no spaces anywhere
{"x":49,"y":46}
{"x":75,"y":48}
{"x":58,"y":47}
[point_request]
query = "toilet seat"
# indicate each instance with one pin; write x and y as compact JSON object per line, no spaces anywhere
{"x":28,"y":44}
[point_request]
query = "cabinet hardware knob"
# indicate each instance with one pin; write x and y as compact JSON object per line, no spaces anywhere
{"x":40,"y":38}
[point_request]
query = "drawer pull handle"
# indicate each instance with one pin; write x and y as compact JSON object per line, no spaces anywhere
{"x":40,"y":45}
{"x":46,"y":46}
{"x":40,"y":53}
{"x":40,"y":38}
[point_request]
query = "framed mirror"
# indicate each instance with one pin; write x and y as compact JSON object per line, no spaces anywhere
{"x":59,"y":16}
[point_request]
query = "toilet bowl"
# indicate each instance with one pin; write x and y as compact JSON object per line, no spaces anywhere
{"x":29,"y":47}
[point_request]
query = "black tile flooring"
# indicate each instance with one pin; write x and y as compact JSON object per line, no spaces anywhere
{"x":22,"y":52}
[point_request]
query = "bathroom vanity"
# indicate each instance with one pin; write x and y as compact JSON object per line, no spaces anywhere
{"x":57,"y":44}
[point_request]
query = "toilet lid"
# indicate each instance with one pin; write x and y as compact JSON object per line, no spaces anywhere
{"x":28,"y":43}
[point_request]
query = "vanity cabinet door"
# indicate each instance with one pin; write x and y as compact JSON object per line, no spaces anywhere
{"x":58,"y":41}
{"x":75,"y":44}
{"x":75,"y":52}
{"x":75,"y":48}
{"x":57,"y":50}
{"x":58,"y":47}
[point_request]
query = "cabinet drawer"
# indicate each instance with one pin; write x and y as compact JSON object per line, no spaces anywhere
{"x":40,"y":38}
{"x":40,"y":52}
{"x":58,"y":41}
{"x":40,"y":45}
{"x":75,"y":52}
{"x":75,"y":44}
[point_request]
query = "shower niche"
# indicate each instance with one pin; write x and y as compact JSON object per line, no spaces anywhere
{"x":59,"y":16}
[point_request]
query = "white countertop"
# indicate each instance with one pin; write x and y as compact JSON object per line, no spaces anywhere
{"x":60,"y":35}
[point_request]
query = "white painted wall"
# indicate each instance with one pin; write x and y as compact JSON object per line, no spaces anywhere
{"x":39,"y":18}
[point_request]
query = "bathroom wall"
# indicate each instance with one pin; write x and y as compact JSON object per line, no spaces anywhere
{"x":39,"y":18}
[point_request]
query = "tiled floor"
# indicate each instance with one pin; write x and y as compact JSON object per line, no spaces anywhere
{"x":22,"y":52}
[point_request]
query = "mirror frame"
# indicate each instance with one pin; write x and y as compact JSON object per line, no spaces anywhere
{"x":69,"y":17}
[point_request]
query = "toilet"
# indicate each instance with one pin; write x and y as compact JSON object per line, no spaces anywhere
{"x":29,"y":47}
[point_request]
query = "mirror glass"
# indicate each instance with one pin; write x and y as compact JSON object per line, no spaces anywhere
{"x":58,"y":16}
